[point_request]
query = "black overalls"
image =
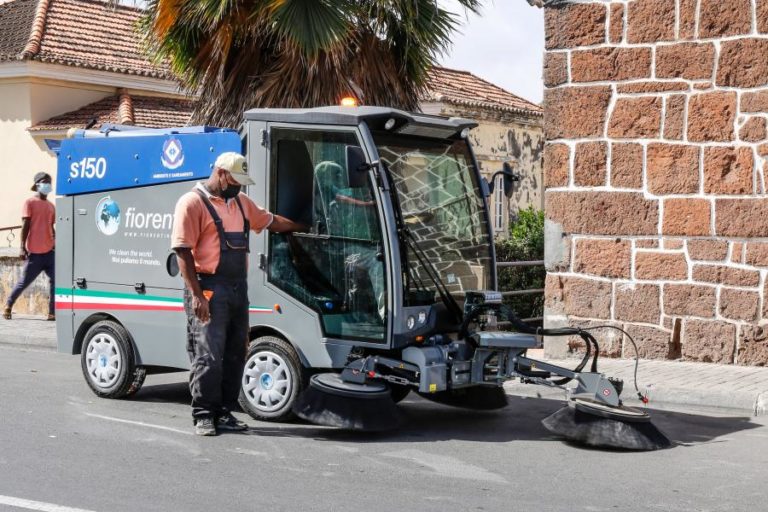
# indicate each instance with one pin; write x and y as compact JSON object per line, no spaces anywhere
{"x":217,"y":348}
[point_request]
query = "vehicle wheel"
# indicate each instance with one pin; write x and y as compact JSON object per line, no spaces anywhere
{"x":108,"y":361}
{"x":399,"y":392}
{"x":272,"y":379}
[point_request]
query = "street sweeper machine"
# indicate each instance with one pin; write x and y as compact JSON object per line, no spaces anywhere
{"x":391,"y":289}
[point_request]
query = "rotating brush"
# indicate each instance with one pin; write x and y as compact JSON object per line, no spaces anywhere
{"x":332,"y":402}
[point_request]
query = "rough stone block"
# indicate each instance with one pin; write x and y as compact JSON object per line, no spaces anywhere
{"x":636,"y":118}
{"x":652,"y":342}
{"x":579,"y":296}
{"x":674,"y":244}
{"x":737,"y":252}
{"x":602,"y":257}
{"x":652,"y":87}
{"x":666,"y":266}
{"x":753,"y":346}
{"x":762,"y":16}
{"x":556,"y":165}
{"x":721,"y":274}
{"x":575,"y":112}
{"x":756,"y":101}
{"x":650,"y":21}
{"x":739,"y":304}
{"x":687,"y":19}
{"x":689,"y":300}
{"x":616,"y":24}
{"x":728,"y":170}
{"x":672,"y":168}
{"x":627,"y":165}
{"x":637,"y":303}
{"x":674,"y":119}
{"x":590,"y":164}
{"x":711,"y":117}
{"x":754,"y":130}
{"x":687,"y":216}
{"x":555,"y":68}
{"x":741,"y":218}
{"x":709,"y":342}
{"x":718,"y":18}
{"x":757,"y":254}
{"x":603,"y":213}
{"x":647,"y":243}
{"x":572,"y":25}
{"x":610,"y":64}
{"x":743,"y":63}
{"x":707,"y":250}
{"x":609,"y":340}
{"x":691,"y":61}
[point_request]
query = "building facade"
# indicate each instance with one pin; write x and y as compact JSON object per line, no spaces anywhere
{"x":655,"y":162}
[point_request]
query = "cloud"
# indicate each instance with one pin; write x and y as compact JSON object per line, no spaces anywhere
{"x":504,"y":45}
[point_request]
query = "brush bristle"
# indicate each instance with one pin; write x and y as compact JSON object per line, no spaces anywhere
{"x":479,"y":398}
{"x":585,"y":428}
{"x":346,"y":412}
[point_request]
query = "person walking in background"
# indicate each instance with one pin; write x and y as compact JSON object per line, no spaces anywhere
{"x":37,"y":242}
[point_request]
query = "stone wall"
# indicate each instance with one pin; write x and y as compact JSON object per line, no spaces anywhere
{"x":656,"y":200}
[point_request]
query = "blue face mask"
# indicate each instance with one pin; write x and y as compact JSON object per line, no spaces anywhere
{"x":44,"y":188}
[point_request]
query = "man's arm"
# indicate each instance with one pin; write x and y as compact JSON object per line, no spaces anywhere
{"x":24,"y":234}
{"x":282,"y":225}
{"x":188,"y":272}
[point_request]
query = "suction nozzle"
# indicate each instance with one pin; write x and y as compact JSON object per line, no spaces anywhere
{"x":330,"y":401}
{"x":602,"y":426}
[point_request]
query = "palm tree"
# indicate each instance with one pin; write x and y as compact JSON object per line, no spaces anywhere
{"x":240,"y":54}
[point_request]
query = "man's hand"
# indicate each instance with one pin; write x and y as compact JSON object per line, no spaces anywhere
{"x":23,"y":254}
{"x":200,"y":305}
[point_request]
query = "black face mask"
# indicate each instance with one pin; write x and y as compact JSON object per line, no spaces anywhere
{"x":231,"y":191}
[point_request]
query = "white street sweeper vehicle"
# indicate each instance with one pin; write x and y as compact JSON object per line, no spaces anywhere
{"x":391,"y":290}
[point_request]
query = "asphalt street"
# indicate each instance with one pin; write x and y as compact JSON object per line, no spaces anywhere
{"x":61,"y":446}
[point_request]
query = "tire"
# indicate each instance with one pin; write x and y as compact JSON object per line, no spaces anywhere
{"x":108,"y":361}
{"x":399,"y":392}
{"x":272,"y":380}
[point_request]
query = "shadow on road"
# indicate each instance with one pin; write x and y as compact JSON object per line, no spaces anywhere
{"x":520,"y":421}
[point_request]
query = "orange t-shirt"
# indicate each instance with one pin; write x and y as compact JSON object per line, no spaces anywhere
{"x":193,"y":226}
{"x":42,"y":215}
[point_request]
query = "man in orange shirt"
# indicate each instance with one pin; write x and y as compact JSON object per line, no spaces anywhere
{"x":210,"y":236}
{"x":37,"y":240}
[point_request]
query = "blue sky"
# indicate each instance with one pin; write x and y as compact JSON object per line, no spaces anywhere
{"x":504,"y":45}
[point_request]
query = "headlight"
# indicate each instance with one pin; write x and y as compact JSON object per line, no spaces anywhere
{"x":422,"y":317}
{"x":410,"y":323}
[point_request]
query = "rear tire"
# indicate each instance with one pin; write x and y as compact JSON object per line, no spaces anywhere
{"x":272,"y":380}
{"x":108,"y":361}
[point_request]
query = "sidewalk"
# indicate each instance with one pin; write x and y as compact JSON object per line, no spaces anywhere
{"x":665,"y":382}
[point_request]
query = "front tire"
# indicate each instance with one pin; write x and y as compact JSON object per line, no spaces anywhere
{"x":108,"y":361}
{"x":272,"y":380}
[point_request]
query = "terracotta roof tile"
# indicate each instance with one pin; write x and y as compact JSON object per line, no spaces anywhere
{"x":464,"y":88}
{"x":15,"y":27}
{"x":84,"y":33}
{"x":148,"y":112}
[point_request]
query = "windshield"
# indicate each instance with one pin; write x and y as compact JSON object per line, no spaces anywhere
{"x":442,"y":207}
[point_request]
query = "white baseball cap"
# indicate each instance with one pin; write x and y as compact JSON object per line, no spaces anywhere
{"x":234,"y":163}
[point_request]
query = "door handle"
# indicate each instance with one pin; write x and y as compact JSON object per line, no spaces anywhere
{"x":262,"y":261}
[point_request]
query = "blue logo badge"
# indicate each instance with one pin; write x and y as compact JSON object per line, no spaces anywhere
{"x":173,"y":154}
{"x":107,"y":216}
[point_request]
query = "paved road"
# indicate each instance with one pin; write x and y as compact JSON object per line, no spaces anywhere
{"x":61,"y":445}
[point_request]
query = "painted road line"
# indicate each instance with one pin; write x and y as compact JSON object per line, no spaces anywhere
{"x":37,"y":505}
{"x":139,"y":423}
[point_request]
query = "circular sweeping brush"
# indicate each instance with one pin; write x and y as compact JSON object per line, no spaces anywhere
{"x":599,"y":425}
{"x":330,"y":401}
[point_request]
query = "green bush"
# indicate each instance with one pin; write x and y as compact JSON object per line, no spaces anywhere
{"x":525,"y":243}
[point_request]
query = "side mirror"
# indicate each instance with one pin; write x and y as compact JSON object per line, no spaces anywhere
{"x":356,"y":167}
{"x":509,"y":179}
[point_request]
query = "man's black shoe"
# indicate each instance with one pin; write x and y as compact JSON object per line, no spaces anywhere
{"x":229,"y":422}
{"x":205,"y":427}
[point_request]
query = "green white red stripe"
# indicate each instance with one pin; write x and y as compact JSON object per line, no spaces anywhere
{"x":96,"y":300}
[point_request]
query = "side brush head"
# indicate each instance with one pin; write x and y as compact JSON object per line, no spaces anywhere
{"x":330,"y":401}
{"x":597,"y":425}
